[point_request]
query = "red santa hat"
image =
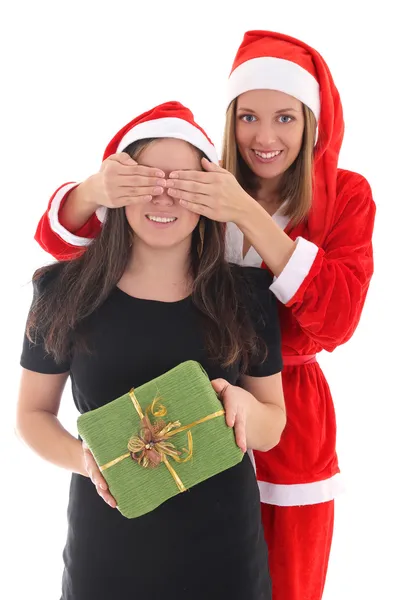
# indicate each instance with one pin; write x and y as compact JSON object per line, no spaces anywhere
{"x":167,"y":120}
{"x":269,"y":60}
{"x":264,"y":61}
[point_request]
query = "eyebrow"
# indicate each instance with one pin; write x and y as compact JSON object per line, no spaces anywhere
{"x":281,"y":110}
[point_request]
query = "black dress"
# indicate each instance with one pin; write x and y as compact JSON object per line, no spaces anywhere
{"x":204,"y":544}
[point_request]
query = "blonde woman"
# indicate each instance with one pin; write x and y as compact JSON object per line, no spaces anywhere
{"x":289,"y":209}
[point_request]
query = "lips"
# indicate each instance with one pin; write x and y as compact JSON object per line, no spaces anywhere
{"x":267,"y":154}
{"x":157,"y":219}
{"x":265,"y":157}
{"x":161,"y":220}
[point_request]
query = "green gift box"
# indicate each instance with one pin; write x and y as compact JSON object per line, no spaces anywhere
{"x":160,"y":439}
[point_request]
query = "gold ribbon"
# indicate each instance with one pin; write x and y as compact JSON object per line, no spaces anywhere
{"x":152,"y":446}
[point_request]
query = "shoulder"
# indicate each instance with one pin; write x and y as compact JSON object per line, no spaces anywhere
{"x":257,"y":278}
{"x":351,"y":183}
{"x":354,"y":194}
{"x":253,"y":288}
{"x":46,"y":276}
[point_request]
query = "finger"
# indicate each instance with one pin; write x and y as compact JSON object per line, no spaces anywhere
{"x":230,"y":413}
{"x":140,"y":170}
{"x":107,"y":497}
{"x":191,"y":197}
{"x":199,"y":176}
{"x":93,"y":470}
{"x":96,"y":478}
{"x":219,"y":385}
{"x":130,"y":167}
{"x":188,"y":186}
{"x":211,"y":166}
{"x":240,"y":430}
{"x":123,"y":201}
{"x":122,"y":158}
{"x":140,"y":181}
{"x":199,"y":209}
{"x":132,"y":192}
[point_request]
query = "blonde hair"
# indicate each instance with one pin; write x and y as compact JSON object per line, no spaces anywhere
{"x":297,"y":182}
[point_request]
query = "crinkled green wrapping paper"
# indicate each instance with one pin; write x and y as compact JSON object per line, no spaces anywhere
{"x":187,"y":394}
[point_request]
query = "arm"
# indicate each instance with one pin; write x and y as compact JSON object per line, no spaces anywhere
{"x":75,"y":213}
{"x":41,"y":387}
{"x":256,"y":407}
{"x":37,"y":423}
{"x":38,"y":426}
{"x":266,"y":418}
{"x":52,"y":232}
{"x":326,"y":287}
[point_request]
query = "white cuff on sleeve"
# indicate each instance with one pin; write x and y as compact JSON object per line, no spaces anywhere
{"x":286,"y":285}
{"x":64,"y":234}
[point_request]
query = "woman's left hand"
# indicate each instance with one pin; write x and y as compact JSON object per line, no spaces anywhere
{"x":236,"y":403}
{"x":216,"y":194}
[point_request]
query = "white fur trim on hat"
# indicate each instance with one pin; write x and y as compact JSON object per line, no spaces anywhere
{"x":269,"y":73}
{"x":170,"y":127}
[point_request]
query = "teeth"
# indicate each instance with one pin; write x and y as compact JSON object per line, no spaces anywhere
{"x":267,"y":154}
{"x":161,"y":219}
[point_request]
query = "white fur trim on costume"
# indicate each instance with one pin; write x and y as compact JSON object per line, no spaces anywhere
{"x":234,"y":242}
{"x":64,"y":234}
{"x":101,"y":213}
{"x":286,"y":285}
{"x":170,"y":127}
{"x":269,"y":73}
{"x":301,"y":494}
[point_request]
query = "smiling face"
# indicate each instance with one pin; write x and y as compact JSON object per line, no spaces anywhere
{"x":163,"y":222}
{"x":269,"y":131}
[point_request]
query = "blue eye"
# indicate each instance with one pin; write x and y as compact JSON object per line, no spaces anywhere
{"x":287,"y":119}
{"x":248,"y":118}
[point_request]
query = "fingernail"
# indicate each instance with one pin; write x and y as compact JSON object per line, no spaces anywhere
{"x":160,"y":174}
{"x":173,"y":175}
{"x":103,"y":486}
{"x":161,"y":182}
{"x":148,"y":198}
{"x":157,"y":190}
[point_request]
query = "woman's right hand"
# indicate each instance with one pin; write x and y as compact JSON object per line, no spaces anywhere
{"x":97,"y":478}
{"x":121,"y":181}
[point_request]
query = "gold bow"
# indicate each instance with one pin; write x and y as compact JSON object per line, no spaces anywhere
{"x":152,"y":446}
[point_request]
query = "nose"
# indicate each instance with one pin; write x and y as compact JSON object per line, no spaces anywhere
{"x":265,"y":135}
{"x":163,"y":200}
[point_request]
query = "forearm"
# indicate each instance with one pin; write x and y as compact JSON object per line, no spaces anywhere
{"x":273,"y":245}
{"x":264,"y":426}
{"x":78,"y":207}
{"x":44,"y":434}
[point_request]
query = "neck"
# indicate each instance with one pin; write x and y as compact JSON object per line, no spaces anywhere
{"x":267,"y":194}
{"x":158,"y":273}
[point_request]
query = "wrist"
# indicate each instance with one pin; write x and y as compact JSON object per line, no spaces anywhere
{"x":80,"y":460}
{"x":250,"y":215}
{"x":86,"y":192}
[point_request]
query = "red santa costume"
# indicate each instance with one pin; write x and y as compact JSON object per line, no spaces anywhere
{"x":321,"y":291}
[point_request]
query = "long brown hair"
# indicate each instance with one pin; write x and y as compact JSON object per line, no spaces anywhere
{"x":297,"y":182}
{"x":68,"y":293}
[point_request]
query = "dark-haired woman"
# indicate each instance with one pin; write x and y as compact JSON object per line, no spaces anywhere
{"x":152,"y":291}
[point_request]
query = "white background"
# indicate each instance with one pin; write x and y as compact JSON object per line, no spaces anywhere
{"x":72,"y":73}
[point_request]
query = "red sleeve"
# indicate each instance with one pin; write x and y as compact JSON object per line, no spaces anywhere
{"x":329,"y":301}
{"x":54,"y":238}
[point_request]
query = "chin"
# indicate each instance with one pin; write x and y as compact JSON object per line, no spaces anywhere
{"x":268,"y":171}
